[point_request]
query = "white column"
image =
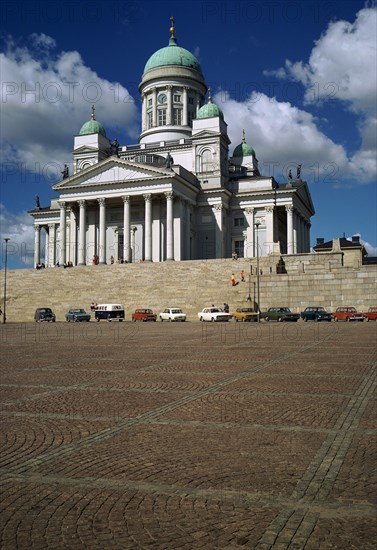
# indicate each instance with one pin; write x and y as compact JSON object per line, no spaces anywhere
{"x":51,"y":243}
{"x":82,"y":232}
{"x":47,"y":245}
{"x":169,"y":226}
{"x":296,"y":231}
{"x":269,"y":229}
{"x":126,"y":228}
{"x":185,"y":106}
{"x":218,"y":211}
{"x":102,"y":230}
{"x":177,"y":229}
{"x":156,"y":230}
{"x":169,"y":114}
{"x":148,"y":228}
{"x":63,"y":232}
{"x":290,"y":240}
{"x":37,"y":245}
{"x":249,"y":250}
{"x":73,"y":230}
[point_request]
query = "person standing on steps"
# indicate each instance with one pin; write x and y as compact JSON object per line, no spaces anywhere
{"x":242,"y":274}
{"x":233,"y":280}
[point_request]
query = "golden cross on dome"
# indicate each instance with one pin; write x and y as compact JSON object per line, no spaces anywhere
{"x":243,"y":136}
{"x":209,"y":96}
{"x":172,"y":28}
{"x":93,"y":109}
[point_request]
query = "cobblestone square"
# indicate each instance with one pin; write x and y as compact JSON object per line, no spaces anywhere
{"x":185,"y":436}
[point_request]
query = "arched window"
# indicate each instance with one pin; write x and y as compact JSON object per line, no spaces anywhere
{"x":206,"y":161}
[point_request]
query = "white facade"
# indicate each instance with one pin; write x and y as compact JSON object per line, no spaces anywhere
{"x":131,"y":204}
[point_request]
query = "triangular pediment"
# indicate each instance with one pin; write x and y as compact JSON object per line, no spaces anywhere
{"x":112,"y":171}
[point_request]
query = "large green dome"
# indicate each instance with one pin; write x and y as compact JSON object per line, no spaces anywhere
{"x":92,"y":127}
{"x":172,"y":55}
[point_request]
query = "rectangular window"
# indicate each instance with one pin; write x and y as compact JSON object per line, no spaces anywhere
{"x":177,"y":113}
{"x":150,"y":102}
{"x":191,"y":101}
{"x":149,"y":119}
{"x":177,"y":98}
{"x":190,"y":118}
{"x":162,"y":117}
{"x":239,"y":222}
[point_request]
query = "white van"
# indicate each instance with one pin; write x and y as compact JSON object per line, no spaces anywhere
{"x":109,"y":312}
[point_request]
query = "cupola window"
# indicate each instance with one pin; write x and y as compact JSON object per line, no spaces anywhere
{"x":177,"y":98}
{"x":149,"y":119}
{"x":162,"y":117}
{"x":177,"y":114}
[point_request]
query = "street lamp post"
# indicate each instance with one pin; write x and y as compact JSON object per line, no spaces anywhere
{"x":257,"y":224}
{"x":249,"y":295}
{"x":5,"y":281}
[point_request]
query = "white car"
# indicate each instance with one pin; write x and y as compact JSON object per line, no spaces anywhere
{"x":213,"y":314}
{"x":172,"y":314}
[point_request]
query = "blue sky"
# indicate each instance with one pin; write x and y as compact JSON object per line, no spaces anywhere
{"x":300,"y":77}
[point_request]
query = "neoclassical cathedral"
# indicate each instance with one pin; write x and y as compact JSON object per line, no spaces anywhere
{"x":179,"y":194}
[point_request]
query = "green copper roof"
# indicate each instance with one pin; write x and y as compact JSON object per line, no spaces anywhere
{"x":172,"y":55}
{"x":243,"y":149}
{"x":210,"y":110}
{"x":92,"y":127}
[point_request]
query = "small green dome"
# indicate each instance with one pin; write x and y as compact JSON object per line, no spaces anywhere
{"x":243,"y":149}
{"x":92,"y":127}
{"x":210,"y":110}
{"x":172,"y":55}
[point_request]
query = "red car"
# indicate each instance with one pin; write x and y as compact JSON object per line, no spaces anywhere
{"x":371,"y":314}
{"x":144,"y":315}
{"x":347,"y":314}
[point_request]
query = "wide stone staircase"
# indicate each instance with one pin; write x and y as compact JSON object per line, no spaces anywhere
{"x":190,"y":285}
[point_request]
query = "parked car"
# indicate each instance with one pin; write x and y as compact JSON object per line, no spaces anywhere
{"x":347,"y":314}
{"x":172,"y":314}
{"x":213,"y":314}
{"x":280,"y":314}
{"x":144,"y":315}
{"x":245,"y":314}
{"x":109,"y":312}
{"x":44,"y":314}
{"x":371,"y":314}
{"x":315,"y":313}
{"x":77,"y":315}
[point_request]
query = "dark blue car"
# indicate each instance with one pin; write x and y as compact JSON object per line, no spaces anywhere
{"x":316,"y":313}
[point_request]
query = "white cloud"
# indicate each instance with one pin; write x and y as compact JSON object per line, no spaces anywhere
{"x":46,"y":97}
{"x":342,"y":67}
{"x":20,"y":231}
{"x":289,"y":135}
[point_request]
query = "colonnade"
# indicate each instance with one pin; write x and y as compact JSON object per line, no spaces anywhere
{"x":297,"y":232}
{"x":56,"y":247}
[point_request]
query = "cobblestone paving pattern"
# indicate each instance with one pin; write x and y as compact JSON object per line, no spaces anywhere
{"x":186,"y":436}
